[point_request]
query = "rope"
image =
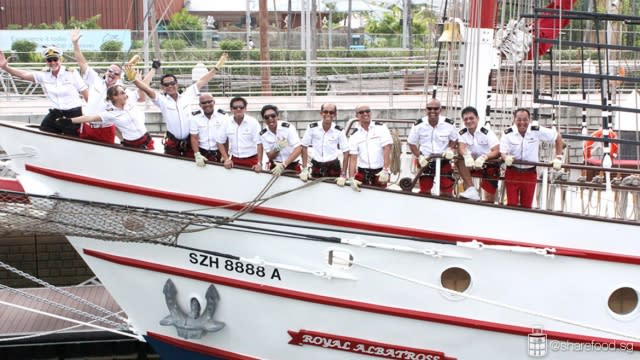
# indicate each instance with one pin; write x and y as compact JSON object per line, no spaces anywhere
{"x":396,"y":152}
{"x":139,"y":338}
{"x":61,"y":306}
{"x":46,"y":333}
{"x":492,"y":302}
{"x":58,"y":290}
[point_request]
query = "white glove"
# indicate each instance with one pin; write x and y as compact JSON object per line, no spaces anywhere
{"x":557,"y":163}
{"x":480,"y":161}
{"x":448,"y":154}
{"x":423,"y":161}
{"x":304,"y":174}
{"x":508,"y":160}
{"x":468,"y":161}
{"x":383,"y":176}
{"x":200,"y":159}
{"x":355,"y":184}
{"x":281,"y":144}
{"x":340,"y":181}
{"x":278,"y":169}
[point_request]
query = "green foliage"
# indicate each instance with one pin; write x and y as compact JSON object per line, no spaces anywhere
{"x":24,"y":50}
{"x":90,"y":23}
{"x":233,"y":48}
{"x":111,"y":50}
{"x":391,"y":23}
{"x":187,"y":26}
{"x":137,"y":44}
{"x":14,"y":27}
{"x":173,"y":44}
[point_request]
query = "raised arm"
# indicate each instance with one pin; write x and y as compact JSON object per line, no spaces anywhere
{"x":82,"y":62}
{"x":133,"y":75}
{"x":22,"y":74}
{"x":214,"y":70}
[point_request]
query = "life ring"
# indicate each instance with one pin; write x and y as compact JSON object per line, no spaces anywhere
{"x":589,"y":144}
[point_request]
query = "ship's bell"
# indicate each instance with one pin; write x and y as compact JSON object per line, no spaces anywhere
{"x":450,"y":32}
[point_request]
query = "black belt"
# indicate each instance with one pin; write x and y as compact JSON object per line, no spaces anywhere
{"x":170,"y":136}
{"x":523,"y":170}
{"x":369,"y":174}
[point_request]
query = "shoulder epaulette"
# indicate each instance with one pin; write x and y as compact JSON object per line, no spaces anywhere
{"x":222,"y":112}
{"x":338,"y":127}
{"x":447,"y":120}
{"x":462,"y":131}
{"x":313,"y":124}
{"x":353,"y":131}
{"x":379,"y":123}
{"x":196,"y":112}
{"x":535,"y":128}
{"x":484,"y":130}
{"x":418,"y":122}
{"x":508,"y":130}
{"x":263,"y":131}
{"x":285,"y":124}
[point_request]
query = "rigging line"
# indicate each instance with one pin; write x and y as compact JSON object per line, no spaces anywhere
{"x":492,"y":302}
{"x":59,"y":317}
{"x":47,"y":333}
{"x":58,"y":290}
{"x":58,"y":305}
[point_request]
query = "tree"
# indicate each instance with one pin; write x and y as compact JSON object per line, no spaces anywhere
{"x":391,"y":21}
{"x":190,"y":25}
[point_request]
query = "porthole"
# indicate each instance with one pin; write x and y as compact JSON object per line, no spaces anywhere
{"x":455,"y":278}
{"x":623,"y":301}
{"x":339,"y":259}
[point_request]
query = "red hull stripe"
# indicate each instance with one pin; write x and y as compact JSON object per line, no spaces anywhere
{"x":318,"y":219}
{"x":11,"y":185}
{"x":198,"y":347}
{"x":351,"y":304}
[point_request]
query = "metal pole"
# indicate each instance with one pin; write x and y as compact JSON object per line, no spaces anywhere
{"x":145,"y":29}
{"x":248,"y":22}
{"x":307,"y":34}
{"x":405,"y":24}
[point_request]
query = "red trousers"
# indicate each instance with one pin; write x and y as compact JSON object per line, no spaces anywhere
{"x":446,"y":179}
{"x":520,"y":185}
{"x":489,"y":175}
{"x":248,"y":162}
{"x":102,"y":134}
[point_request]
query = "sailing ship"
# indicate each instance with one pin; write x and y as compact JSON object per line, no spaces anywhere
{"x":209,"y":262}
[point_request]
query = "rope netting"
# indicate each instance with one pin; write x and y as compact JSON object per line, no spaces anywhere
{"x":50,"y":215}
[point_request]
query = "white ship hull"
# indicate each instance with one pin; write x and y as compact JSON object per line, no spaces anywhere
{"x":387,"y":298}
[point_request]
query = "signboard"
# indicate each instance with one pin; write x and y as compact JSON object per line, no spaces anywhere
{"x":90,"y":41}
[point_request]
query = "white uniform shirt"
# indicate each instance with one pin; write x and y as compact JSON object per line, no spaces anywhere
{"x":284,"y":130}
{"x":176,"y":113}
{"x":207,"y":129}
{"x":63,"y":90}
{"x":368,"y":145}
{"x":97,"y":101}
{"x":129,"y":120}
{"x":243,"y":138}
{"x":432,"y":140}
{"x":480,"y":143}
{"x":525,"y":147}
{"x":327,"y":145}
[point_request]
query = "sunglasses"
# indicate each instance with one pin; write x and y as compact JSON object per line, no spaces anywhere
{"x":116,"y":73}
{"x":328,"y":112}
{"x":206,"y":102}
{"x":52,"y":59}
{"x":270,"y":116}
{"x":238,"y":107}
{"x":170,"y":83}
{"x":121,"y":93}
{"x":433,"y":108}
{"x":364,"y":112}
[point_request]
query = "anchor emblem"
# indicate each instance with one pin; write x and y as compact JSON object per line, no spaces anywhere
{"x":192,"y":324}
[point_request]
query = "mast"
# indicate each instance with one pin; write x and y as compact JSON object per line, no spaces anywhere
{"x":479,"y":54}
